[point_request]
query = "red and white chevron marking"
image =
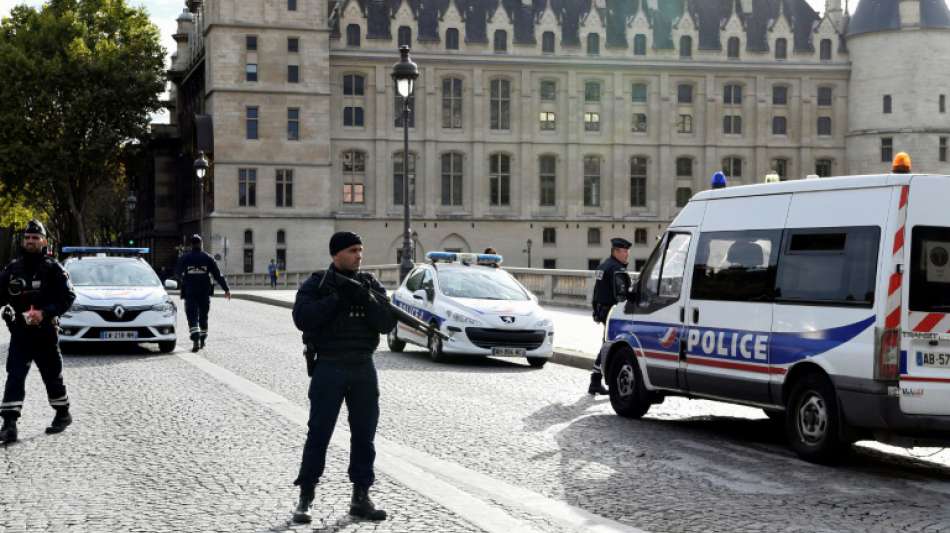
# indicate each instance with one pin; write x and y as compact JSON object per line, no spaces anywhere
{"x":929,"y":322}
{"x":893,"y":318}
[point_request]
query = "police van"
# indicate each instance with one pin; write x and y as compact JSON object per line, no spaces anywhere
{"x":825,"y":302}
{"x":481,"y":307}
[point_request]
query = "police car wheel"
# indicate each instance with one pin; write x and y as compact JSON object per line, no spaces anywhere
{"x":395,"y":345}
{"x":435,"y":348}
{"x":166,"y":347}
{"x":537,"y":362}
{"x":628,"y":396}
{"x":812,"y":421}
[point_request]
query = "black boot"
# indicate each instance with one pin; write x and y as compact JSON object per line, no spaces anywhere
{"x":302,"y":511}
{"x":195,"y":346}
{"x":595,"y":385}
{"x":363,"y":507}
{"x":8,"y":431}
{"x":60,"y":421}
{"x":201,"y":341}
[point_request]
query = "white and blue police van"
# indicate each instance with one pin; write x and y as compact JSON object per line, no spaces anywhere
{"x":825,"y":302}
{"x":482,"y":308}
{"x":119,"y":298}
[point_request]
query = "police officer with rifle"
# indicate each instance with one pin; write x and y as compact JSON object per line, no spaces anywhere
{"x":342,"y":312}
{"x":34,"y":291}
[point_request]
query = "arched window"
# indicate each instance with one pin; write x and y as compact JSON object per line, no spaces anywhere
{"x":354,"y":176}
{"x":452,"y":103}
{"x":887,"y":104}
{"x":686,"y":46}
{"x":547,"y":42}
{"x":593,"y":44}
{"x":499,"y":179}
{"x":684,"y":167}
{"x":733,"y":48}
{"x":781,"y":49}
{"x":248,"y":237}
{"x":501,"y":41}
{"x":353,"y":35}
{"x":640,"y":45}
{"x":451,"y":39}
{"x":452,"y":178}
{"x":405,"y":36}
{"x":825,"y":50}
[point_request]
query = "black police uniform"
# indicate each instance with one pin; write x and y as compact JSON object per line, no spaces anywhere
{"x":40,"y":282}
{"x":341,"y":325}
{"x":195,"y":270}
{"x":603,"y":298}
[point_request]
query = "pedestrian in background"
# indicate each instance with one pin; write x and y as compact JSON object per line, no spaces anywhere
{"x":196,"y":270}
{"x":605,"y":296}
{"x":37,"y":290}
{"x":341,"y":324}
{"x":272,"y":272}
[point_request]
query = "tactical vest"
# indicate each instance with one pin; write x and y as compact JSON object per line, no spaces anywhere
{"x":348,"y":335}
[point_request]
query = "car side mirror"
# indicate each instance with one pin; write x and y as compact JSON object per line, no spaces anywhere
{"x":420,"y":294}
{"x":171,"y":284}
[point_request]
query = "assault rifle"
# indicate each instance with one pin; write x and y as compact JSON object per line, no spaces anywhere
{"x":401,"y":314}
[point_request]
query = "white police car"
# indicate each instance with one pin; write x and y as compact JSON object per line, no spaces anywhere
{"x":483,"y":309}
{"x":119,"y":298}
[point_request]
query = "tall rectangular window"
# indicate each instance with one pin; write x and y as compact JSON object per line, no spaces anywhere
{"x":293,"y":123}
{"x":825,"y":49}
{"x":353,"y":35}
{"x":887,"y":104}
{"x":592,"y":92}
{"x":404,"y":34}
{"x":293,"y":45}
{"x":942,"y":150}
{"x":825,"y":96}
{"x":732,"y":94}
{"x":548,"y":90}
{"x":887,"y":149}
{"x":942,"y":104}
{"x":399,"y":175}
{"x":684,"y":167}
{"x":683,"y":194}
{"x":353,"y":116}
{"x":591,"y":121}
{"x":732,"y":124}
{"x":291,"y":5}
{"x":824,"y":126}
{"x":248,"y":260}
{"x":732,"y":167}
{"x":452,"y":179}
{"x":547,"y":42}
{"x":499,"y":180}
{"x":501,"y":41}
{"x":639,"y":123}
{"x":684,"y":93}
{"x":250,"y":72}
{"x":593,"y":236}
{"x":640,"y":45}
{"x":638,"y":93}
{"x":500,"y":104}
{"x":780,"y":95}
{"x":250,"y":122}
{"x":640,"y":237}
{"x":353,"y":85}
{"x":549,"y":236}
{"x":398,"y":103}
{"x":452,"y":39}
{"x":591,"y":181}
{"x":823,"y":168}
{"x":684,"y":124}
{"x":547,"y":120}
{"x":250,"y":43}
{"x":779,"y":126}
{"x":293,"y":73}
{"x":780,"y":167}
{"x":284,"y":179}
{"x":354,"y":176}
{"x":547,"y":165}
{"x":247,"y":187}
{"x":452,"y":103}
{"x":638,"y":182}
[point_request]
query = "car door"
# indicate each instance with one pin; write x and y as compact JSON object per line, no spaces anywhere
{"x":405,"y":299}
{"x":654,"y":317}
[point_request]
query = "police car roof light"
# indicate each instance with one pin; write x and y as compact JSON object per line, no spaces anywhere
{"x":447,"y":257}
{"x":489,"y":259}
{"x":464,"y":258}
{"x":718,"y":180}
{"x":107,"y":250}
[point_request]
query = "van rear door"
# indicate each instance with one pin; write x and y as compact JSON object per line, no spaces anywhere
{"x":925,"y":344}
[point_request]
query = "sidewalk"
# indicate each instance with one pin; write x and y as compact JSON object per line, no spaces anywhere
{"x":576,"y":337}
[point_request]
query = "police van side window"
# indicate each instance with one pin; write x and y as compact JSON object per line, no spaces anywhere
{"x":736,"y":266}
{"x":414,"y":282}
{"x":828,"y":266}
{"x":662,"y":278}
{"x":930,"y":269}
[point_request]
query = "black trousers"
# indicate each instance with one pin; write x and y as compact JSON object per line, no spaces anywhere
{"x":27,"y":346}
{"x":334,"y":382}
{"x":196,"y":309}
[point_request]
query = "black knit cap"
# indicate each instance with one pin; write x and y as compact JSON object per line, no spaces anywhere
{"x":342,"y":240}
{"x":34,"y":227}
{"x":196,"y":240}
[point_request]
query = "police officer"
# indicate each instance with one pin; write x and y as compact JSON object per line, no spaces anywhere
{"x":341,"y":324}
{"x":34,"y":290}
{"x":605,"y":296}
{"x":195,"y":270}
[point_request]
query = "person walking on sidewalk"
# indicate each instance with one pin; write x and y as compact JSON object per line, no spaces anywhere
{"x":195,"y":270}
{"x":34,"y":291}
{"x":272,"y":273}
{"x":341,"y":324}
{"x":605,"y":296}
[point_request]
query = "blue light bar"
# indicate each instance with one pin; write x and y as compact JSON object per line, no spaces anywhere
{"x":489,"y":259}
{"x":464,"y":258}
{"x":446,"y":257}
{"x":91,"y":250}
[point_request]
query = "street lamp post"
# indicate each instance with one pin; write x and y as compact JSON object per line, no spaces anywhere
{"x":201,"y":168}
{"x":527,"y":250}
{"x":404,"y":78}
{"x":130,"y":204}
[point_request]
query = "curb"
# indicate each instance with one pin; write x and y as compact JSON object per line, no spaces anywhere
{"x":561,"y":356}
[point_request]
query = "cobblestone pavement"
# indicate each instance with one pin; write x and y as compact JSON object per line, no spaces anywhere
{"x":159,"y":446}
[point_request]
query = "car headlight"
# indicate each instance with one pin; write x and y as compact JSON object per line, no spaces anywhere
{"x":77,"y":308}
{"x":544,"y":323}
{"x":167,"y":307}
{"x":458,"y":317}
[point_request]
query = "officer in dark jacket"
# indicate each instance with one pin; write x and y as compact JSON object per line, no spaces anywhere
{"x":605,"y":296}
{"x":195,"y":270}
{"x":341,"y":324}
{"x":34,"y":291}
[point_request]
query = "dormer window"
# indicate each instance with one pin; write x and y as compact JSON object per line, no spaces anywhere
{"x":501,"y":41}
{"x":593,"y":44}
{"x":781,"y":49}
{"x":733,"y":48}
{"x":405,"y":36}
{"x":451,"y":39}
{"x":353,"y":35}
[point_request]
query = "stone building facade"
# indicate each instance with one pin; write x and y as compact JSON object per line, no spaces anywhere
{"x":559,"y":122}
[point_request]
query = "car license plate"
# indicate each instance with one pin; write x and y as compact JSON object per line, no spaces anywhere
{"x":933,"y":359}
{"x":504,"y":351}
{"x":119,"y":335}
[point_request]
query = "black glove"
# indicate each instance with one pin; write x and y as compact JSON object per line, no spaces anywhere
{"x":308,"y":356}
{"x":352,"y":290}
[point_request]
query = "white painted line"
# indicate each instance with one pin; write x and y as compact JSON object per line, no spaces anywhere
{"x":463,"y":491}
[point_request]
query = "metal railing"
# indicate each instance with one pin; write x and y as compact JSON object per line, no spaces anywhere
{"x":551,"y":286}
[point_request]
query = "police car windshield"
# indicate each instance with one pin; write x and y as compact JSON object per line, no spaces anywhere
{"x":91,"y":273}
{"x":483,"y":283}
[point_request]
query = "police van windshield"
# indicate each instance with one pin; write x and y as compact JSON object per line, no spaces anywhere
{"x":481,"y":283}
{"x":86,"y":273}
{"x":930,"y":269}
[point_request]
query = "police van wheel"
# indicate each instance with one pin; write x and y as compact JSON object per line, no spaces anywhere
{"x":812,"y":421}
{"x":166,"y":347}
{"x":435,"y":348}
{"x":628,"y":396}
{"x":395,"y":345}
{"x":537,"y":362}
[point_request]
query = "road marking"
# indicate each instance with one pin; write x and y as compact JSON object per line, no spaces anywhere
{"x":468,"y":493}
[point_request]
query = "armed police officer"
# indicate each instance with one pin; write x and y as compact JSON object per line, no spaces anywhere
{"x":195,"y":270}
{"x":341,"y":324}
{"x":34,"y":291}
{"x":605,"y":296}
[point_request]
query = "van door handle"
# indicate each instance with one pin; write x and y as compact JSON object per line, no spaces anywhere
{"x":695,"y":315}
{"x":682,"y":349}
{"x":682,"y":315}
